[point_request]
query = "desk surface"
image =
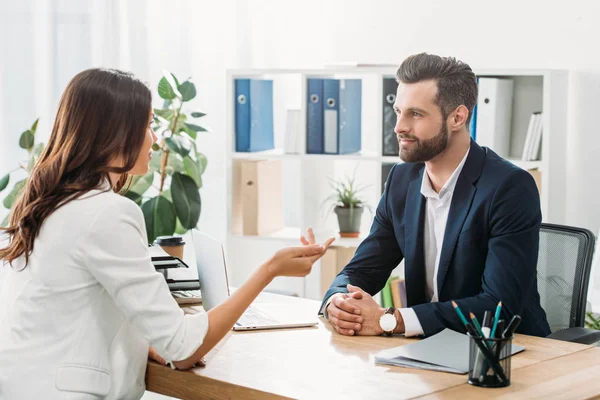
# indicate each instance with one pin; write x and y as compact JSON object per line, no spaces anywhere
{"x":301,"y":363}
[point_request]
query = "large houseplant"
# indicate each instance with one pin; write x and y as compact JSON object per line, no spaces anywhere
{"x":26,"y":142}
{"x":169,"y":193}
{"x":347,"y":204}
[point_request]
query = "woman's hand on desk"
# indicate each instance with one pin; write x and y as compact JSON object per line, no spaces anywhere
{"x":153,"y":355}
{"x":185,"y":364}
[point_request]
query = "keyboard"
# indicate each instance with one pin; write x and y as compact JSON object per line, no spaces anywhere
{"x":254,"y":317}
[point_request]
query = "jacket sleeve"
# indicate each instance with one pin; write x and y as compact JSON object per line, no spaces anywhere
{"x":511,"y":264}
{"x":116,"y":253}
{"x":375,"y":257}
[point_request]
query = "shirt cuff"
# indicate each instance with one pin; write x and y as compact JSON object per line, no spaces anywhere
{"x":324,"y":308}
{"x":412,"y":326}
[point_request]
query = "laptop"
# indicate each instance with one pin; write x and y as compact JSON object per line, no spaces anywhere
{"x":214,"y":285}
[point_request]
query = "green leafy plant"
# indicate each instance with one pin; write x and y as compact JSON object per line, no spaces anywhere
{"x":592,"y":321}
{"x":26,"y":142}
{"x":169,"y":193}
{"x":346,"y":194}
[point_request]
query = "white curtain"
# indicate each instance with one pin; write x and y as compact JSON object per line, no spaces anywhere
{"x":46,"y":42}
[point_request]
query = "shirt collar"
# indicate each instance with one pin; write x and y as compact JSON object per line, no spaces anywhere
{"x":427,"y":189}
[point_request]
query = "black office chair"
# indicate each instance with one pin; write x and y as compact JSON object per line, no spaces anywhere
{"x":564,"y":264}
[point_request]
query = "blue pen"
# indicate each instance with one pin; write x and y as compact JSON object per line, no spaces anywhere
{"x":496,"y":319}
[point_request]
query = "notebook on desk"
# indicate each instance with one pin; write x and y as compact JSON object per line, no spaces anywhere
{"x":448,"y":351}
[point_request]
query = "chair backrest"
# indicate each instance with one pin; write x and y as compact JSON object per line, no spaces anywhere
{"x":564,"y":264}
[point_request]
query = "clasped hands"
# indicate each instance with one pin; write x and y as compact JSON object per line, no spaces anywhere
{"x":357,"y":313}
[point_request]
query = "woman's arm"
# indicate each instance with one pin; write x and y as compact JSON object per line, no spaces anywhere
{"x":294,"y":261}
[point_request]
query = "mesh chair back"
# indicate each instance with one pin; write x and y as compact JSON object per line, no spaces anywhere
{"x":564,"y":264}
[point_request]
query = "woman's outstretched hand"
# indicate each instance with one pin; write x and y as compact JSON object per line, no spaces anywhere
{"x":298,"y":261}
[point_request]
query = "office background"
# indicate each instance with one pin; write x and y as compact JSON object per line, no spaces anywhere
{"x":46,"y":42}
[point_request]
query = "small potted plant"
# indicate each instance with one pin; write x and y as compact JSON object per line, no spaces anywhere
{"x":348,"y":205}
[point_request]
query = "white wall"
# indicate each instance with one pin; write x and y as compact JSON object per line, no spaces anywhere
{"x":203,"y":38}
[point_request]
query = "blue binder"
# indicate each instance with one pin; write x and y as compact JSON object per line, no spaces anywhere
{"x":331,"y":95}
{"x":350,"y":116}
{"x":254,"y":115}
{"x":314,"y":116}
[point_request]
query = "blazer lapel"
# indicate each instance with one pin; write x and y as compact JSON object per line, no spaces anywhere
{"x":464,"y":192}
{"x":414,"y":254}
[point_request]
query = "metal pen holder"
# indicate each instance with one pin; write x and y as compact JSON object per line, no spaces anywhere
{"x":489,"y":361}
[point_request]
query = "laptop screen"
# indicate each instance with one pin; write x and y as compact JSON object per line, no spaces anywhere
{"x":212,"y":272}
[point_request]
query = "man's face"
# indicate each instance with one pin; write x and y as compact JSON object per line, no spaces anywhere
{"x":420,"y":127}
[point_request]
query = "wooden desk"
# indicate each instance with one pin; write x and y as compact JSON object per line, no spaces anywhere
{"x":311,"y":363}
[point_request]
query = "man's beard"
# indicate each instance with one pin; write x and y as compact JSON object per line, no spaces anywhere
{"x":424,"y":150}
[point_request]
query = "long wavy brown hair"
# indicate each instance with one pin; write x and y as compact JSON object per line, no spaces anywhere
{"x":102,"y":117}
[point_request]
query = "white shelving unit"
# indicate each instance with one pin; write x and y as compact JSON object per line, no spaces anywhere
{"x":305,"y":183}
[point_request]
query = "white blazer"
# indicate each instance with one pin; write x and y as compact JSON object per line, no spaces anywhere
{"x":76,"y":323}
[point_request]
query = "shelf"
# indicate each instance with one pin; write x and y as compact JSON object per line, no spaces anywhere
{"x":275,"y":154}
{"x":286,"y":234}
{"x":360,"y":156}
{"x":526,"y":164}
{"x":293,"y":234}
{"x":278,"y":154}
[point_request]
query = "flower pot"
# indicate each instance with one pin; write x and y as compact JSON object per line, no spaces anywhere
{"x":349,"y":220}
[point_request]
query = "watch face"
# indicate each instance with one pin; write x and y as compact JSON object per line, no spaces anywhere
{"x":387,"y":322}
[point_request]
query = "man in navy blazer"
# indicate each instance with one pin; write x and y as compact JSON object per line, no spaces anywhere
{"x":465,"y":221}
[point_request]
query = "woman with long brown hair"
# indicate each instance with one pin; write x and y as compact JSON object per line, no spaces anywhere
{"x":80,"y":302}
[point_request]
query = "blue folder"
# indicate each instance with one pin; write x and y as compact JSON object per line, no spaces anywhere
{"x":314,"y":111}
{"x":350,"y":116}
{"x":334,"y":116}
{"x":254,"y":115}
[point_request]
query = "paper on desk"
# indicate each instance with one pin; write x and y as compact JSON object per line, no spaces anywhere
{"x":448,"y":351}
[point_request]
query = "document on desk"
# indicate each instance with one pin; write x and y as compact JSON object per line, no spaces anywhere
{"x":448,"y":351}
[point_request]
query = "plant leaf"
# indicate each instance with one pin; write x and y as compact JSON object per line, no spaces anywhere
{"x":164,"y":113}
{"x":196,"y":128}
{"x":197,"y":114}
{"x":135,"y":197}
{"x":140,"y":184}
{"x":179,"y":228}
{"x":159,"y":215}
{"x":180,"y":126}
{"x":4,"y":182}
{"x":165,"y":90}
{"x":179,"y":144}
{"x":34,"y":126}
{"x":35,"y":155}
{"x":189,"y":132}
{"x":167,"y":103}
{"x":187,"y":90}
{"x":155,"y":161}
{"x":14,"y":193}
{"x":186,"y":200}
{"x":175,"y":163}
{"x":27,"y":140}
{"x":202,"y":162}
{"x":192,"y":169}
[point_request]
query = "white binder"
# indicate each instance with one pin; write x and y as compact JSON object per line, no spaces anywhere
{"x":494,"y":114}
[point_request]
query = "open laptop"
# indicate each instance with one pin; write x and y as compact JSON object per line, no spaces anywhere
{"x":214,"y":286}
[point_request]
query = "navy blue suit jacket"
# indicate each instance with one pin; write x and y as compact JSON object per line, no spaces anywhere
{"x":490,"y":247}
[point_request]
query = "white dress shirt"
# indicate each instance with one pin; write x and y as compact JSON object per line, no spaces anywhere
{"x":77,"y":321}
{"x":436,"y":217}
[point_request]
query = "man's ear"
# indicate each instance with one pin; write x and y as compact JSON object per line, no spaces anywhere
{"x":458,"y":118}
